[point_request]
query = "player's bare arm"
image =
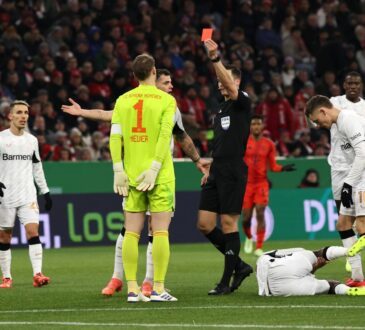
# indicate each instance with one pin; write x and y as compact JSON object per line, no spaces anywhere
{"x":223,"y":74}
{"x":189,"y":149}
{"x":94,"y":114}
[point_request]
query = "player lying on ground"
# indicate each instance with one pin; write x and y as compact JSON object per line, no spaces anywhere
{"x":164,"y":83}
{"x":290,"y":272}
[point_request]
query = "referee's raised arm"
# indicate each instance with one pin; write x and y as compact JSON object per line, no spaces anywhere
{"x":222,"y":73}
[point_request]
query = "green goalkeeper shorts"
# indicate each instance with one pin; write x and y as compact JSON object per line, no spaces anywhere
{"x":160,"y":199}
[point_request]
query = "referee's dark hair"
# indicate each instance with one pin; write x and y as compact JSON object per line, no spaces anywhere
{"x":236,"y":73}
{"x":162,"y":72}
{"x":315,"y":102}
{"x":257,"y":116}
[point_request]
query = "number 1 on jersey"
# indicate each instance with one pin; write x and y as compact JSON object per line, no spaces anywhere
{"x":139,"y":108}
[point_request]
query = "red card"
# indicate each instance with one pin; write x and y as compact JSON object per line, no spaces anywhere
{"x":207,"y":34}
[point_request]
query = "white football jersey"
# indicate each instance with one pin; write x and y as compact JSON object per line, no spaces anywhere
{"x":20,"y":169}
{"x":338,"y":157}
{"x":350,"y":132}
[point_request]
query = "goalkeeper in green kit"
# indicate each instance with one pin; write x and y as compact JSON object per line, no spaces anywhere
{"x":140,"y":136}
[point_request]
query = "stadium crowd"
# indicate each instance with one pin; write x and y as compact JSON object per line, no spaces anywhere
{"x":288,"y":50}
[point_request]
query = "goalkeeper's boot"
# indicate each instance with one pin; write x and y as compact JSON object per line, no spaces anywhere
{"x":7,"y":283}
{"x":162,"y":297}
{"x":248,"y":247}
{"x":354,"y":284}
{"x":241,"y":271}
{"x":40,"y":280}
{"x":348,"y":266}
{"x":357,"y":247}
{"x":146,"y":288}
{"x":114,"y":285}
{"x":258,"y":252}
{"x":137,"y":297}
{"x":356,"y":292}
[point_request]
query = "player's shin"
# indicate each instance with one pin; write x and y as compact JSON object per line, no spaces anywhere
{"x":247,"y":229}
{"x":5,"y":260}
{"x":161,"y":256}
{"x":35,"y":254}
{"x":118,"y":259}
{"x":260,"y":238}
{"x":130,"y":259}
{"x":348,"y":238}
{"x":149,"y":261}
{"x":216,"y":237}
{"x":230,"y":256}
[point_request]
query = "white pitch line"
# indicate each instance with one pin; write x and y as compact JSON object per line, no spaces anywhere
{"x":184,"y":325}
{"x":77,"y":310}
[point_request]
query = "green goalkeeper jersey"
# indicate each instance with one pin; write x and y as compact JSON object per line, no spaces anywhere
{"x":142,"y":124}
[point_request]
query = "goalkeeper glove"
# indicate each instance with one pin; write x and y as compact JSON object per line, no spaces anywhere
{"x":346,"y":195}
{"x":47,"y":201}
{"x":288,"y":168}
{"x":120,"y":180}
{"x":148,"y":178}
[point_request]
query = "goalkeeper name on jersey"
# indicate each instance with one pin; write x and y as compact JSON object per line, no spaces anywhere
{"x":142,"y":124}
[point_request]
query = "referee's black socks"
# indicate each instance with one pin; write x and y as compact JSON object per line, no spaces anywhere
{"x":216,"y":237}
{"x":231,"y":256}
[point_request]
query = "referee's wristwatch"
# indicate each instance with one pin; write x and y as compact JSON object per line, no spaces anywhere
{"x":216,"y":59}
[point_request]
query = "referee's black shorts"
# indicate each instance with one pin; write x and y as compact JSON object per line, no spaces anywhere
{"x":223,"y":193}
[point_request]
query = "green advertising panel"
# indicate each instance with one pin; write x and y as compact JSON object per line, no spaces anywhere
{"x":97,"y":177}
{"x":300,"y":214}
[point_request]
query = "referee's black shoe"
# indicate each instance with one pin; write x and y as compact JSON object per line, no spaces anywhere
{"x":220,"y":290}
{"x":242,"y":271}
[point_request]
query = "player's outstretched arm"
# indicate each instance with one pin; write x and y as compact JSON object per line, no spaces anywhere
{"x":189,"y":149}
{"x":222,"y":73}
{"x":93,"y":114}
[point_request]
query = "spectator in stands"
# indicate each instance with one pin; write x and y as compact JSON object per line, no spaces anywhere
{"x":302,"y":146}
{"x":310,"y":179}
{"x":324,"y":86}
{"x":277,"y":113}
{"x":84,"y":50}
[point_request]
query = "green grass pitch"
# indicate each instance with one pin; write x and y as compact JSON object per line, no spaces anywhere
{"x":73,"y":299}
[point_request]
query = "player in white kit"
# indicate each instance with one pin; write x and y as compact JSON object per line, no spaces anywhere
{"x":290,"y":272}
{"x":351,"y":133}
{"x":340,"y":168}
{"x":20,"y":168}
{"x":163,"y":82}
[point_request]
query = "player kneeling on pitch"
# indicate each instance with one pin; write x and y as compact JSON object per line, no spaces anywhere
{"x":20,"y":168}
{"x":290,"y":272}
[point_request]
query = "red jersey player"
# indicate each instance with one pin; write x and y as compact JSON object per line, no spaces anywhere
{"x":260,"y":155}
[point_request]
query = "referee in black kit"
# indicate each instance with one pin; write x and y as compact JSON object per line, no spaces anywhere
{"x":223,"y":190}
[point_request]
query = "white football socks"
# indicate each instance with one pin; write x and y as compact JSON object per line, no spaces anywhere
{"x":149,"y":264}
{"x":5,"y":263}
{"x":36,"y":257}
{"x":118,"y":261}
